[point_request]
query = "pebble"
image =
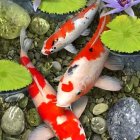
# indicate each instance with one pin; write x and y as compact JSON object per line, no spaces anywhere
{"x":23,"y":102}
{"x":40,"y":26}
{"x":0,"y":134}
{"x":57,"y":65}
{"x":33,"y":117}
{"x":128,"y":87}
{"x":100,"y":108}
{"x":98,"y":125}
{"x":123,"y":120}
{"x":13,"y":122}
{"x":14,"y":98}
{"x":96,"y":137}
{"x":135,"y":80}
{"x":13,"y":18}
{"x":26,"y":134}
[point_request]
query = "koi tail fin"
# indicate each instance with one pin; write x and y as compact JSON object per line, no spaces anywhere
{"x":25,"y":42}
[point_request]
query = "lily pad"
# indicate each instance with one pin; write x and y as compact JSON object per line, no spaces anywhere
{"x":13,"y":76}
{"x":124,"y":34}
{"x":61,"y":6}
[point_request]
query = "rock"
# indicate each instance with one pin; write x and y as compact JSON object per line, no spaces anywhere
{"x":12,"y":19}
{"x":14,"y":98}
{"x":98,"y":125}
{"x":123,"y":120}
{"x":135,"y":81}
{"x":57,"y":65}
{"x":26,"y":134}
{"x":33,"y":117}
{"x":96,"y":137}
{"x":12,"y":122}
{"x":40,"y":26}
{"x":0,"y":134}
{"x":138,"y":90}
{"x":23,"y":102}
{"x":5,"y":137}
{"x":100,"y":108}
{"x":128,"y":87}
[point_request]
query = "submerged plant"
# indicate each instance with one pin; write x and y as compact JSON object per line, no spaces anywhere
{"x":60,"y":6}
{"x":124,"y":34}
{"x":13,"y":76}
{"x":121,"y":5}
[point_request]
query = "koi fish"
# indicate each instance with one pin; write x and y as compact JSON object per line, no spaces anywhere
{"x":70,"y":31}
{"x":36,"y":4}
{"x":61,"y":122}
{"x":84,"y":71}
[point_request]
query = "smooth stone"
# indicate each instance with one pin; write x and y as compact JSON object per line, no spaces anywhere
{"x":128,"y":87}
{"x":40,"y":26}
{"x":5,"y":137}
{"x":98,"y":125}
{"x":57,"y":65}
{"x":12,"y":121}
{"x":33,"y":117}
{"x":12,"y":19}
{"x":100,"y":108}
{"x":138,"y":90}
{"x":14,"y":98}
{"x":0,"y":134}
{"x":23,"y":102}
{"x":123,"y":120}
{"x":26,"y":134}
{"x":135,"y":81}
{"x":96,"y":137}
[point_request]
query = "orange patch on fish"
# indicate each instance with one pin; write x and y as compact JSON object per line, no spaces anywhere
{"x":61,"y":33}
{"x":67,"y":87}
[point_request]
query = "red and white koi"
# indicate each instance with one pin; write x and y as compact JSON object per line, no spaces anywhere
{"x":71,"y":30}
{"x":85,"y":69}
{"x":61,"y":121}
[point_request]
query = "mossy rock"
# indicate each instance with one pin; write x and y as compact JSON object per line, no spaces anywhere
{"x":12,"y":19}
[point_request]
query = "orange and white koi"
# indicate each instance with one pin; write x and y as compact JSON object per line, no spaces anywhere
{"x":61,"y":121}
{"x":85,"y":69}
{"x":71,"y":30}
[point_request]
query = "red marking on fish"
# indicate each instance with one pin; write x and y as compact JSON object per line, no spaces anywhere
{"x":33,"y":90}
{"x":48,"y":110}
{"x":67,"y":87}
{"x":52,"y":97}
{"x":94,"y":44}
{"x":71,"y":26}
{"x":61,"y":33}
{"x":24,"y":60}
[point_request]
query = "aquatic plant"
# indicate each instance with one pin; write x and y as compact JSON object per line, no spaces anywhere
{"x":61,"y":6}
{"x":121,"y":5}
{"x":13,"y":76}
{"x":124,"y":34}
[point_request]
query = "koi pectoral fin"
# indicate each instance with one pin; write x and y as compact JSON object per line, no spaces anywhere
{"x":71,"y":48}
{"x":114,"y":63}
{"x":108,"y":83}
{"x":79,"y":106}
{"x":42,"y":132}
{"x":85,"y":32}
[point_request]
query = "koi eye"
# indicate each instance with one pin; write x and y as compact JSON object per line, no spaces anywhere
{"x":79,"y":93}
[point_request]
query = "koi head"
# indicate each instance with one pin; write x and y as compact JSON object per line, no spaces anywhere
{"x":52,"y":44}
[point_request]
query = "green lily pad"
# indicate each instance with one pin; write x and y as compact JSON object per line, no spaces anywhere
{"x":61,"y":6}
{"x":124,"y":34}
{"x":13,"y":76}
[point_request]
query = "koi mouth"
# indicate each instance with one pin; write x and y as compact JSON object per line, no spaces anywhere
{"x":45,"y":52}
